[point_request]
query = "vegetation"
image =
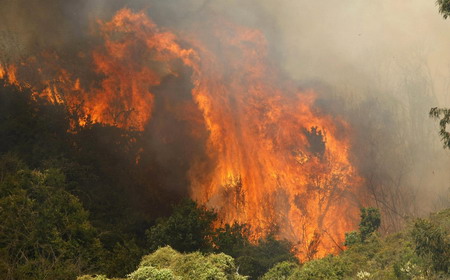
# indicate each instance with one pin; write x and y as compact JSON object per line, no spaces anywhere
{"x":189,"y":228}
{"x":444,"y":7}
{"x":45,"y":232}
{"x":419,"y":252}
{"x":443,"y":115}
{"x":168,"y":264}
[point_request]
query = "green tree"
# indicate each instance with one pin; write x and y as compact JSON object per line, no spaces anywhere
{"x":256,"y":259}
{"x":189,"y":228}
{"x":330,"y":268}
{"x":281,"y":271}
{"x":122,"y":258}
{"x":230,"y":239}
{"x":44,"y":233}
{"x":370,"y":222}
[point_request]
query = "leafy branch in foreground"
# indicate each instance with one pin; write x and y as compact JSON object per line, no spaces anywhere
{"x":444,"y":7}
{"x":443,"y":115}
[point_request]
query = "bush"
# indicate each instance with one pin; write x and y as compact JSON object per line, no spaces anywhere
{"x":45,"y":232}
{"x":432,"y":243}
{"x":281,"y":271}
{"x":193,"y":265}
{"x":330,"y":268}
{"x":149,"y":272}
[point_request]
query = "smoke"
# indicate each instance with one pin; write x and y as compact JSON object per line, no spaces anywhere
{"x":381,"y":65}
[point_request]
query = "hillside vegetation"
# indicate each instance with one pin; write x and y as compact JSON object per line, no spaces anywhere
{"x":422,"y":251}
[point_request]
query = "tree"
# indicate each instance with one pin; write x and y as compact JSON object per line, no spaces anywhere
{"x":256,"y":259}
{"x":281,"y":271}
{"x":230,"y":239}
{"x":188,"y":229}
{"x":44,"y":233}
{"x":444,"y":7}
{"x":370,"y":222}
{"x":331,"y":268}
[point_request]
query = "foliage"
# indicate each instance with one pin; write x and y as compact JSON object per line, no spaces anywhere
{"x":444,"y":7}
{"x":99,"y":166}
{"x":194,"y":265}
{"x":433,"y":243}
{"x":188,"y":229}
{"x":230,"y":239}
{"x":352,"y":238}
{"x":418,"y":252}
{"x":255,"y":260}
{"x":123,"y":258}
{"x":370,"y":222}
{"x":326,"y":268}
{"x":281,"y":271}
{"x":168,"y":264}
{"x":149,"y":272}
{"x":45,"y":232}
{"x":92,"y":277}
{"x":442,"y":114}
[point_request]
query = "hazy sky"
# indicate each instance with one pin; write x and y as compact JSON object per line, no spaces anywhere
{"x":341,"y":40}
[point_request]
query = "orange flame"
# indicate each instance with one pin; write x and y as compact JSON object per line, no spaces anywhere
{"x":274,"y":162}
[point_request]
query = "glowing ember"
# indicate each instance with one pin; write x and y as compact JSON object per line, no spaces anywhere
{"x":274,"y":162}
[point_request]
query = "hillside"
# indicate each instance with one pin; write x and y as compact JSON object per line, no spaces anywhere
{"x":422,"y":251}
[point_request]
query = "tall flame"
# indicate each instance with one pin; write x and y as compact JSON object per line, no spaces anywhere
{"x":274,"y":162}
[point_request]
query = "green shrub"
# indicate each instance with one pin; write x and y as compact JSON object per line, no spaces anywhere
{"x":193,"y":265}
{"x":330,"y":268}
{"x":151,"y":273}
{"x":370,"y":222}
{"x":432,"y":243}
{"x":352,"y":238}
{"x":45,"y":232}
{"x":281,"y":271}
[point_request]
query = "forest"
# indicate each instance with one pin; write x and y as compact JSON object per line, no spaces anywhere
{"x":165,"y":143}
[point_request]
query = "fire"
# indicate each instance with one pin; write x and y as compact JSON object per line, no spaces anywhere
{"x":274,"y":161}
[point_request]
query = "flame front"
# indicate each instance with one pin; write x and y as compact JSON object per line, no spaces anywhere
{"x":273,"y":161}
